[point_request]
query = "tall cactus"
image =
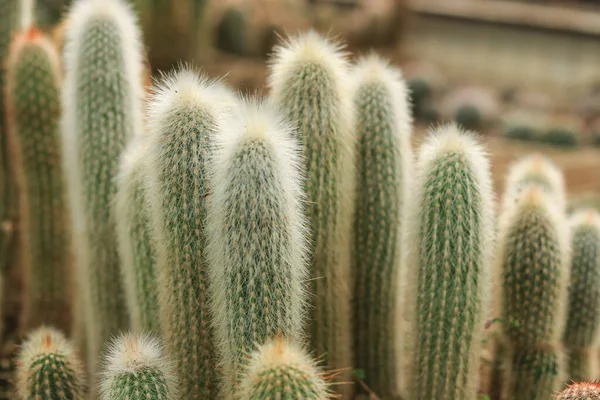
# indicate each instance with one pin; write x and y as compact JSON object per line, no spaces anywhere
{"x":257,"y":234}
{"x":33,"y":105}
{"x":533,"y":271}
{"x":185,"y":113}
{"x":583,"y":320}
{"x":281,"y":370}
{"x":48,"y":368}
{"x":137,"y":251}
{"x":449,"y":242}
{"x":101,"y":111}
{"x":384,"y":171}
{"x":309,"y":80}
{"x":135,"y":368}
{"x":580,"y":391}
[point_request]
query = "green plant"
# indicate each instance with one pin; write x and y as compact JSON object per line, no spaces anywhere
{"x":232,"y":32}
{"x":580,"y":391}
{"x":384,"y":161}
{"x":468,"y":116}
{"x":520,"y":132}
{"x":561,"y":137}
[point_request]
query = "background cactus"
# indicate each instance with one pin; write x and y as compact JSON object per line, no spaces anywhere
{"x":185,"y":113}
{"x":101,"y":112}
{"x":309,"y":80}
{"x":48,"y":368}
{"x":135,"y":368}
{"x":583,"y":320}
{"x":384,"y":169}
{"x":137,"y":251}
{"x":450,"y":241}
{"x":580,"y":391}
{"x":33,"y":104}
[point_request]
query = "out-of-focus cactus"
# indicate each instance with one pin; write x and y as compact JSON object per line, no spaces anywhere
{"x":137,"y":251}
{"x":102,"y":110}
{"x":580,"y":391}
{"x":384,"y":170}
{"x":450,"y":232}
{"x":232,"y":32}
{"x":309,"y":79}
{"x":583,"y":319}
{"x":135,"y":368}
{"x":185,"y":113}
{"x":48,"y":368}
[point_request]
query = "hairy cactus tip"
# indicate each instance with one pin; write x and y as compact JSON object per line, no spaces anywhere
{"x":580,"y":391}
{"x":48,"y":368}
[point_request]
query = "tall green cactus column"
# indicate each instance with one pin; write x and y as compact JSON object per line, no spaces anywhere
{"x":33,"y":105}
{"x":450,"y":232}
{"x":184,"y":116}
{"x":257,"y":235}
{"x":583,"y":319}
{"x":309,"y":80}
{"x":102,"y":110}
{"x":384,"y":172}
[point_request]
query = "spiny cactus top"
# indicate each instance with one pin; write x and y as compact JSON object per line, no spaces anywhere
{"x":48,"y":369}
{"x":450,"y":238}
{"x":580,"y":391}
{"x":309,"y":80}
{"x":282,"y":370}
{"x":384,"y":159}
{"x":135,"y":368}
{"x":102,"y":110}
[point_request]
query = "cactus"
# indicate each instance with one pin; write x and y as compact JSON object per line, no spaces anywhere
{"x":232,"y":31}
{"x":102,"y":110}
{"x":580,"y":391}
{"x":281,"y":370}
{"x":137,"y":251}
{"x":449,"y":242}
{"x":309,"y":80}
{"x":33,"y":104}
{"x":135,"y":368}
{"x":583,"y":320}
{"x":48,"y":368}
{"x":185,"y":113}
{"x":533,"y":269}
{"x":257,"y":234}
{"x":384,"y":168}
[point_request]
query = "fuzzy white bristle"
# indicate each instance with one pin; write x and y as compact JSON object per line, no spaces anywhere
{"x":586,"y":216}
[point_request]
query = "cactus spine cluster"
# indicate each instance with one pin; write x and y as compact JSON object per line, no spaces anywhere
{"x":48,"y":368}
{"x":384,"y":161}
{"x":136,"y":248}
{"x":309,"y":80}
{"x":135,"y":368}
{"x":33,"y":106}
{"x":450,"y":243}
{"x":102,"y":111}
{"x":583,"y":321}
{"x":257,"y":234}
{"x":185,"y":113}
{"x":281,"y":370}
{"x":580,"y":391}
{"x":533,"y":271}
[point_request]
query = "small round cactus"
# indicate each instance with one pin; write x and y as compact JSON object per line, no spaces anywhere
{"x":580,"y":391}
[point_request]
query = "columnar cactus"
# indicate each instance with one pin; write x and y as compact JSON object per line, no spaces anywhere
{"x":137,"y":251}
{"x":257,"y":234}
{"x":450,"y":232}
{"x":580,"y":391}
{"x":309,"y":80}
{"x":384,"y":169}
{"x":101,"y":111}
{"x":33,"y":105}
{"x":48,"y":368}
{"x":135,"y":368}
{"x":185,"y":113}
{"x":583,"y":320}
{"x":282,"y":370}
{"x":533,"y":271}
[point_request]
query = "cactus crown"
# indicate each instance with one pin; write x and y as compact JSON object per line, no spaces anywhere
{"x":580,"y":391}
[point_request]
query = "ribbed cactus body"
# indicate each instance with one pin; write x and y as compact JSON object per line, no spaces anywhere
{"x":137,"y":251}
{"x":257,"y":235}
{"x":450,"y":243}
{"x":583,"y":319}
{"x":33,"y":105}
{"x":309,"y":81}
{"x":185,"y":113}
{"x":281,"y":370}
{"x":580,"y":391}
{"x":48,"y":369}
{"x":135,"y":368}
{"x":102,"y":111}
{"x":384,"y":166}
